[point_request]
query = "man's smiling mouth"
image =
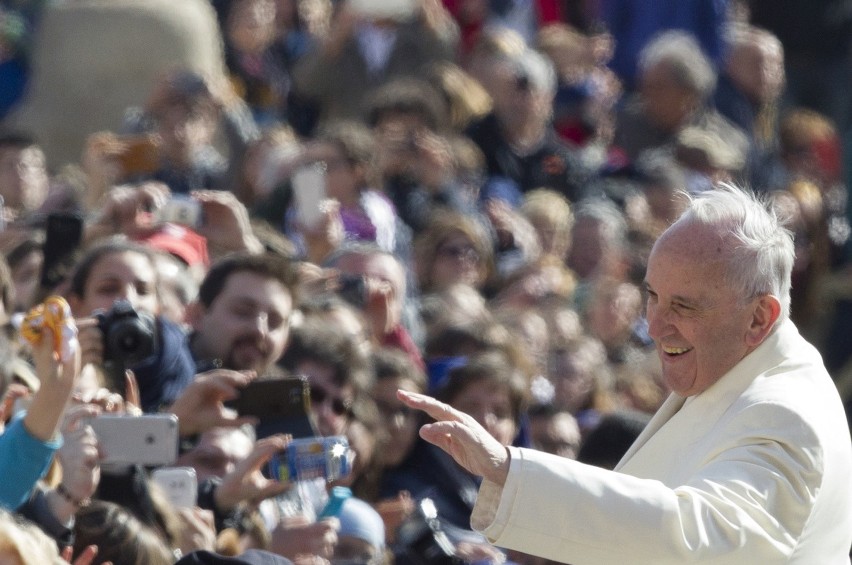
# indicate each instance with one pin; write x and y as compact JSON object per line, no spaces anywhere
{"x":676,"y":350}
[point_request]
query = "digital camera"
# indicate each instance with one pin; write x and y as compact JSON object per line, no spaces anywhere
{"x":129,"y":336}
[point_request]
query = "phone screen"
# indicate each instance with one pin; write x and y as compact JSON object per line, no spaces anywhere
{"x":64,"y":233}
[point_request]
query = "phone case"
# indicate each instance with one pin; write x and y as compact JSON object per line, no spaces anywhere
{"x":150,"y":439}
{"x":282,"y":405}
{"x":179,"y":484}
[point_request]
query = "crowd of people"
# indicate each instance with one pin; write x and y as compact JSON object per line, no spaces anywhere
{"x":456,"y":198}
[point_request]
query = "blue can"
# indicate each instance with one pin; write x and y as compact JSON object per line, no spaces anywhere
{"x":305,"y":459}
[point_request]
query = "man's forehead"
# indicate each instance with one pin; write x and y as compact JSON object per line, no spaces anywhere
{"x":253,"y":287}
{"x":694,"y":241}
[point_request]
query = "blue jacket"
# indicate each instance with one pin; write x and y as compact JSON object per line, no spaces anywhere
{"x":23,"y":461}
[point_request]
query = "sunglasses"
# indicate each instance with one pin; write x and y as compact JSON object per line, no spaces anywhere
{"x":338,"y":405}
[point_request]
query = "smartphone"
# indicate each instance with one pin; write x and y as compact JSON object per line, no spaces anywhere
{"x":181,"y":210}
{"x":150,"y":439}
{"x":179,"y":484}
{"x":139,"y":155}
{"x":281,"y":404}
{"x":62,"y":239}
{"x":308,"y":184}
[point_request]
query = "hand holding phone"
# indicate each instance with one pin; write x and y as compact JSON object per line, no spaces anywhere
{"x":281,"y":405}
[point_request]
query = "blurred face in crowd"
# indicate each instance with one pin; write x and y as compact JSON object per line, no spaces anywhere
{"x":519,"y":103}
{"x":491,"y":405}
{"x":457,"y":261}
{"x":588,"y":247}
{"x":247,"y":325}
{"x":573,"y":378}
{"x":667,"y":104}
{"x":126,"y":275}
{"x":330,"y":402}
{"x":399,"y":421}
{"x":217,"y":453}
{"x":184,"y":130}
{"x":557,"y":433}
{"x":25,"y":279}
{"x":613,"y":311}
{"x":251,"y":25}
{"x":23,"y":177}
{"x":701,"y":325}
{"x":383,"y":270}
{"x":757,"y":67}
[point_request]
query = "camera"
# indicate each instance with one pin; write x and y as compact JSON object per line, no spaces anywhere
{"x":129,"y":336}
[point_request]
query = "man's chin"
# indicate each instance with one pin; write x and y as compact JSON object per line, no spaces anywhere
{"x":249,"y":363}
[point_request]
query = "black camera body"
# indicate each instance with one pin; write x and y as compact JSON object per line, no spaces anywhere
{"x":129,"y":336}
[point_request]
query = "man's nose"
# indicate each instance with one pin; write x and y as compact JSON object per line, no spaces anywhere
{"x":128,"y":293}
{"x":260,"y":324}
{"x":657,"y":322}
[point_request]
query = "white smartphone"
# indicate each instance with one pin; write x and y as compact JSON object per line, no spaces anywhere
{"x":150,"y":439}
{"x":309,"y":190}
{"x":179,"y":484}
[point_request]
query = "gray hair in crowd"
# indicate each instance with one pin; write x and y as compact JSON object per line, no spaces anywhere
{"x":762,"y":253}
{"x":681,"y":54}
{"x":608,"y":215}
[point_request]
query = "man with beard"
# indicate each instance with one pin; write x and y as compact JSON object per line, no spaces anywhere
{"x":241,"y":320}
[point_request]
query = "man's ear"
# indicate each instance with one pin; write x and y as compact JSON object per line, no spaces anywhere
{"x":766,"y":312}
{"x":194,"y":313}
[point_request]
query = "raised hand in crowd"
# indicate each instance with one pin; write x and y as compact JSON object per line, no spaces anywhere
{"x":201,"y":405}
{"x":326,"y":235}
{"x":128,"y":210}
{"x":300,"y":539}
{"x":86,"y":557}
{"x":246,"y":485}
{"x":57,"y":369}
{"x":225,"y":223}
{"x":197,"y":530}
{"x":79,"y":459}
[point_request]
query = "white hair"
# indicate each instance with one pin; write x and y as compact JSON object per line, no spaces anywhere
{"x":683,"y":57}
{"x":761,"y":248}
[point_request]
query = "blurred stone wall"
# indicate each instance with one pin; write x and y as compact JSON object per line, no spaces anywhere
{"x":94,"y":58}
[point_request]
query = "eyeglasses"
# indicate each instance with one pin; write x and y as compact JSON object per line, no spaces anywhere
{"x":339,"y":406}
{"x":457,"y":252}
